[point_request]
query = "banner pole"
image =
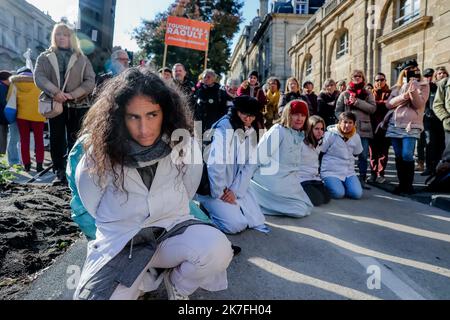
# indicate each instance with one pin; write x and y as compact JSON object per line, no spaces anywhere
{"x":206,"y":59}
{"x":165,"y":56}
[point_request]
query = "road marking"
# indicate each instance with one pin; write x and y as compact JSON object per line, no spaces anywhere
{"x":438,"y":217}
{"x":364,"y":251}
{"x":297,"y":277}
{"x":397,"y":227}
{"x":390,"y":280}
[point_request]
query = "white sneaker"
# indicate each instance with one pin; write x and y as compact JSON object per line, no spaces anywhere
{"x":172,"y":292}
{"x":381,"y":179}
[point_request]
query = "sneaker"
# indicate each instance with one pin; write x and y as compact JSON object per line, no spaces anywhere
{"x":372,"y":179}
{"x":172,"y":292}
{"x":380,"y":179}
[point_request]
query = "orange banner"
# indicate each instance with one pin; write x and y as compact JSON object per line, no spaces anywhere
{"x":186,"y":33}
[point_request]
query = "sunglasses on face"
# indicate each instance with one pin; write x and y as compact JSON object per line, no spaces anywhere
{"x":379,"y":80}
{"x":357,"y":76}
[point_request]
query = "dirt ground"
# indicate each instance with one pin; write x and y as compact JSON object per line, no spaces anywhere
{"x":35,"y":228}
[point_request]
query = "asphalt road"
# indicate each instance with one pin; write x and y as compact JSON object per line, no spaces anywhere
{"x":380,"y":247}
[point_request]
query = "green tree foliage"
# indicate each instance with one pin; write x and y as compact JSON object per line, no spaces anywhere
{"x":224,"y":16}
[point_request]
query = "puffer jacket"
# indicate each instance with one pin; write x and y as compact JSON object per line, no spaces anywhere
{"x":362,"y":109}
{"x":81,"y":80}
{"x":408,"y":108}
{"x":441,"y":105}
{"x":26,"y":99}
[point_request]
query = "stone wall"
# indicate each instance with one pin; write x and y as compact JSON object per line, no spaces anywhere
{"x":374,"y":49}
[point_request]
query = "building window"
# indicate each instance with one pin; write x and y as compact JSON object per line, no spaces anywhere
{"x":39,"y":33}
{"x":16,"y":43}
{"x":300,"y":7}
{"x":308,"y":66}
{"x":407,"y":10}
{"x":342,"y":45}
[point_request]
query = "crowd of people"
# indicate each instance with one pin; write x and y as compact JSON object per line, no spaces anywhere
{"x":151,"y":213}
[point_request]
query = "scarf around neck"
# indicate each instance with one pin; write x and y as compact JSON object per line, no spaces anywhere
{"x":273,"y":98}
{"x":357,"y":89}
{"x":140,"y":157}
{"x":346,"y":136}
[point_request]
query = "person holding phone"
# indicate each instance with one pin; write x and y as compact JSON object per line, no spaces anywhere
{"x":405,"y":121}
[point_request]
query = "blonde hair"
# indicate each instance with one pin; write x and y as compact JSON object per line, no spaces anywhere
{"x":290,"y":80}
{"x":357,"y":71}
{"x":402,"y":75}
{"x":74,"y":43}
{"x":285,"y":119}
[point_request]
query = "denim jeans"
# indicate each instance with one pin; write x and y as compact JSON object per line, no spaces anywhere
{"x":13,"y":144}
{"x":404,"y":148}
{"x":363,"y":156}
{"x":338,"y":189}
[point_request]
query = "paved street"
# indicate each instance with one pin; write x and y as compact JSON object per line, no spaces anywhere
{"x":325,"y":256}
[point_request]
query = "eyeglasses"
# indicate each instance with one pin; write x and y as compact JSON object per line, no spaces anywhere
{"x":379,"y":80}
{"x":246,"y":115}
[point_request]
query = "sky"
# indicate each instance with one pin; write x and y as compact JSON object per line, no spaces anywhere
{"x":129,"y":14}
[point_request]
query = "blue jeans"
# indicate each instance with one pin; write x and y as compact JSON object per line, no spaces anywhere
{"x":363,"y":156}
{"x":404,"y":148}
{"x":13,"y":144}
{"x":338,"y":189}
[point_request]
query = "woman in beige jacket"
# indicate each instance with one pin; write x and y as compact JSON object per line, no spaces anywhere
{"x":405,"y":121}
{"x":64,"y":62}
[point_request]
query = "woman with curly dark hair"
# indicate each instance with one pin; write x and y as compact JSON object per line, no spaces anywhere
{"x":136,"y":182}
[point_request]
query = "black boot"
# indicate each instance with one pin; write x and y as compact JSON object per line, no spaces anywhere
{"x":27,"y":167}
{"x":39,"y":167}
{"x":408,"y":167}
{"x":60,"y":178}
{"x":400,"y":175}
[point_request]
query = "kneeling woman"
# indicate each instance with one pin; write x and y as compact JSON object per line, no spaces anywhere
{"x":276,"y":183}
{"x":340,"y":147}
{"x":231,"y":163}
{"x":137,"y":185}
{"x":309,"y":162}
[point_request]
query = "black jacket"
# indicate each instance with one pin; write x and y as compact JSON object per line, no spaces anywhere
{"x":3,"y":101}
{"x":288,"y":97}
{"x":210,"y":105}
{"x":326,"y":105}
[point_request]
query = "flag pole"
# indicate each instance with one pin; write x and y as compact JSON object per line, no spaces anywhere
{"x":206,"y":58}
{"x":165,"y":56}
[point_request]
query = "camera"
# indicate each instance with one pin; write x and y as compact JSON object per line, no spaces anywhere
{"x":412,"y":74}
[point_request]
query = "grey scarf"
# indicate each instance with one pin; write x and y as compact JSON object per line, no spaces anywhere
{"x":140,"y":157}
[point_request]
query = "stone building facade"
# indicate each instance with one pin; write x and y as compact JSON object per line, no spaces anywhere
{"x":264,"y":44}
{"x":372,"y":36}
{"x":22,"y":26}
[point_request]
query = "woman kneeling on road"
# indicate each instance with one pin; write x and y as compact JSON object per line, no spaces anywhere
{"x":340,"y":147}
{"x":231,"y":166}
{"x":136,"y":183}
{"x":276,"y":184}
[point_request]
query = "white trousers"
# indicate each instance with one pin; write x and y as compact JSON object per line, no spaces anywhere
{"x":198,"y":258}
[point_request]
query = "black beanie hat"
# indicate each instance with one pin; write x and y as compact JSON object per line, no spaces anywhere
{"x":253,"y":73}
{"x":428,"y":72}
{"x":409,"y":64}
{"x":4,"y":75}
{"x":247,"y":105}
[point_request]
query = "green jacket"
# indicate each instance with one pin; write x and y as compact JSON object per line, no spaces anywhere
{"x":441,"y":105}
